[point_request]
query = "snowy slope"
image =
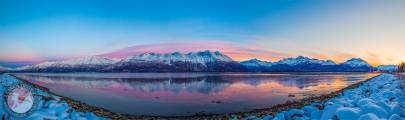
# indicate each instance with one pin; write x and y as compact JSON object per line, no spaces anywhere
{"x":288,"y":61}
{"x":356,"y":62}
{"x":202,"y":57}
{"x":91,"y":60}
{"x":306,"y":64}
{"x":146,"y":62}
{"x":387,"y":68}
{"x":202,"y":61}
{"x":298,"y":64}
{"x":304,"y":60}
{"x":256,"y":63}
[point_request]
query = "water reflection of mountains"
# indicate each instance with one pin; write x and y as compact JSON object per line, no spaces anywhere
{"x":200,"y":84}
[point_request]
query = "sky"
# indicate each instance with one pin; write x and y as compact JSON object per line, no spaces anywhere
{"x":34,"y":31}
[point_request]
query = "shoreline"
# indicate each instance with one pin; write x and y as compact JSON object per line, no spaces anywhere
{"x":83,"y":107}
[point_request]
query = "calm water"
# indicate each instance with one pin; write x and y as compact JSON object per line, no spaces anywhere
{"x":168,"y":94}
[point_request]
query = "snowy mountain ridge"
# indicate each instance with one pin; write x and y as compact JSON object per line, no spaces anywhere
{"x":201,"y":61}
{"x":306,"y":64}
{"x":256,"y":63}
{"x":288,"y":61}
{"x":88,"y":60}
{"x":201,"y":57}
{"x":304,"y":60}
{"x":387,"y":68}
{"x":356,"y":62}
{"x":145,"y":62}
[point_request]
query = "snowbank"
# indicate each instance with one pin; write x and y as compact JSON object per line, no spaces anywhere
{"x":381,"y":98}
{"x":48,"y":107}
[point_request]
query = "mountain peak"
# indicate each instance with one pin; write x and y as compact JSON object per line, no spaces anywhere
{"x":356,"y":62}
{"x":355,"y":59}
{"x":194,"y":57}
{"x":387,"y":68}
{"x":302,"y":57}
{"x":176,"y":53}
{"x":256,"y":63}
{"x":206,"y":52}
{"x":304,"y":60}
{"x":253,"y":60}
{"x":218,"y":53}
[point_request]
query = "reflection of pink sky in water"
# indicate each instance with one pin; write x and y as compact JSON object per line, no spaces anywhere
{"x":199,"y":94}
{"x":232,"y":92}
{"x":20,"y":100}
{"x":237,"y":91}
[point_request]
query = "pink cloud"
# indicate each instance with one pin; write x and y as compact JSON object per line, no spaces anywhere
{"x":18,"y":52}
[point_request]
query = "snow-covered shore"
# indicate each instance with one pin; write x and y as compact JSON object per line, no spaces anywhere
{"x":381,"y":98}
{"x":48,"y":107}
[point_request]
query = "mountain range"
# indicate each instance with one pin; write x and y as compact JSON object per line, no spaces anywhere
{"x":387,"y":68}
{"x":201,"y":61}
{"x":305,"y":64}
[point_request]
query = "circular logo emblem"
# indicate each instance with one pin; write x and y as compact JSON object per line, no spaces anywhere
{"x":20,"y":100}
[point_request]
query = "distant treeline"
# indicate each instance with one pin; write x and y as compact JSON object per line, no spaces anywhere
{"x":401,"y":67}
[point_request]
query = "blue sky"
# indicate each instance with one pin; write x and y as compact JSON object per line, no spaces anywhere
{"x":334,"y":29}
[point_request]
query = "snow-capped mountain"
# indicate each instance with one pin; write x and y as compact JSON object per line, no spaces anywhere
{"x":299,"y":63}
{"x":202,"y":61}
{"x":355,"y":65}
{"x":304,"y":60}
{"x":356,"y":62}
{"x":90,"y":61}
{"x":387,"y":68}
{"x":256,"y":63}
{"x":287,"y":61}
{"x":202,"y":57}
{"x":305,"y":64}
